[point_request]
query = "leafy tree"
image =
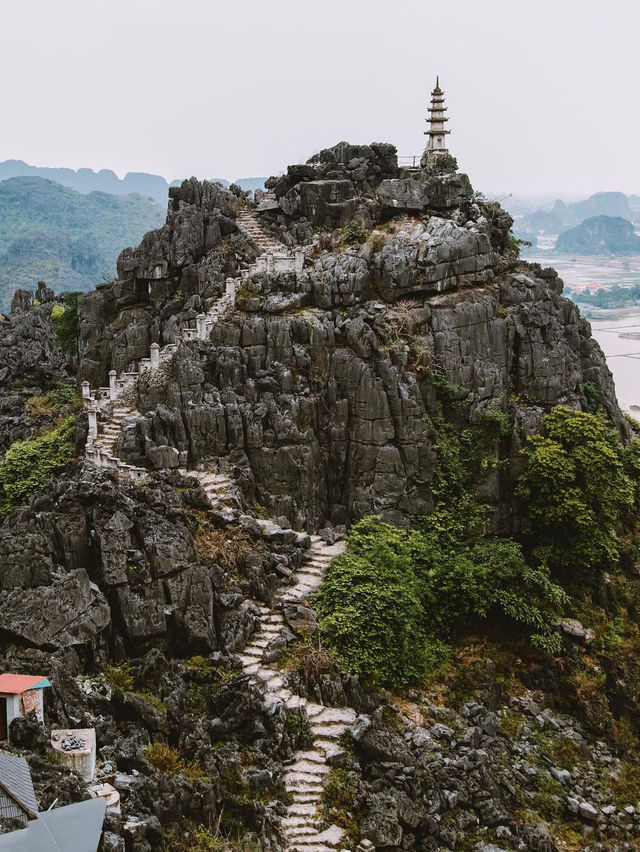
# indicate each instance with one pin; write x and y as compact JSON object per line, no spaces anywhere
{"x":574,"y":490}
{"x":65,"y":323}
{"x":29,"y":465}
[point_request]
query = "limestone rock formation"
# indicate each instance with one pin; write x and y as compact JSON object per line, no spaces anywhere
{"x":249,"y":380}
{"x":319,"y":388}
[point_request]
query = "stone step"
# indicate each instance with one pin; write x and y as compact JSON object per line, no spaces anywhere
{"x":305,"y":797}
{"x":314,"y":756}
{"x":329,"y":839}
{"x":295,"y":831}
{"x":297,"y":778}
{"x":298,"y":822}
{"x":313,"y":787}
{"x":302,"y":809}
{"x":270,"y":629}
{"x":320,"y":713}
{"x":309,"y":767}
{"x":326,"y":731}
{"x":252,"y":654}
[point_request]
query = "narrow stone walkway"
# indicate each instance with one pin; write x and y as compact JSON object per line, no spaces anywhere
{"x":306,"y":776}
{"x":249,"y":222}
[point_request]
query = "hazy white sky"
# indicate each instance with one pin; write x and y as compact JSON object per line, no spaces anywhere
{"x":542,"y":94}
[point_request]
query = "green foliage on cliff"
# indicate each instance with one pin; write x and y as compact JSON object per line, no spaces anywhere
{"x":392,"y":603}
{"x":65,"y":323}
{"x":575,"y":490}
{"x":29,"y":465}
{"x":370,"y":610}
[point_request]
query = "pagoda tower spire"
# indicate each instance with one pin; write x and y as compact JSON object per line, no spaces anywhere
{"x":437,"y":121}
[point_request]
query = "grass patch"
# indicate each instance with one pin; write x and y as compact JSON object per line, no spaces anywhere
{"x":59,"y":398}
{"x":168,"y":761}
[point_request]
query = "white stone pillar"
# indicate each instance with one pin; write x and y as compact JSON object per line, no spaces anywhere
{"x":299,"y":259}
{"x":113,"y":386}
{"x":86,"y":390}
{"x":154,"y":351}
{"x":93,"y":423}
{"x":201,"y":326}
{"x":230,"y":288}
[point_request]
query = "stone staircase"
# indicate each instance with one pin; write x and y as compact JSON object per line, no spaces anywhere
{"x":105,"y":406}
{"x":249,"y":222}
{"x":306,"y":776}
{"x":220,"y":490}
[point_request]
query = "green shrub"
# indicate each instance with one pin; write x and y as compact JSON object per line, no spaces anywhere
{"x":370,"y":610}
{"x":29,"y":465}
{"x":354,"y":234}
{"x":574,"y":490}
{"x":120,"y":677}
{"x":163,"y":758}
{"x":61,"y":396}
{"x":168,"y":761}
{"x":393,"y":601}
{"x":65,"y":323}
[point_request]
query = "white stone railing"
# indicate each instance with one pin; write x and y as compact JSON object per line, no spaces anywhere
{"x":273,"y":263}
{"x":102,"y":400}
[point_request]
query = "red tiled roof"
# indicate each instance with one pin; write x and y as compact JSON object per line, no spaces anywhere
{"x":17,"y":683}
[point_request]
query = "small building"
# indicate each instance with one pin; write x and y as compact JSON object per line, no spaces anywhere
{"x":19,"y":694}
{"x":17,"y":796}
{"x":76,"y":748}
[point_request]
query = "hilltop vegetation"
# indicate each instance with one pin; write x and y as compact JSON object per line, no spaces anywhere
{"x":49,"y":232}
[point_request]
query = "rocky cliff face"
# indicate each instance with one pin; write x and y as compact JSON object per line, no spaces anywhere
{"x":320,"y":387}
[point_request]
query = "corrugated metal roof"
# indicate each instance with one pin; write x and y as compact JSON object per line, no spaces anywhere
{"x":15,"y":780}
{"x":73,"y":828}
{"x":17,"y":683}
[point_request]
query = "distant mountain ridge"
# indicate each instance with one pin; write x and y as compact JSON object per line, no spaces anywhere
{"x":85,"y":181}
{"x":68,"y":239}
{"x":600,"y":235}
{"x":600,"y":204}
{"x":561,"y":216}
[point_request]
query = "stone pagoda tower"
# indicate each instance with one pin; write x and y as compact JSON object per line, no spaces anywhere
{"x":437,"y":133}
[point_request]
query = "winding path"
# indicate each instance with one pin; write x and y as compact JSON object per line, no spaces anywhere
{"x":306,"y":776}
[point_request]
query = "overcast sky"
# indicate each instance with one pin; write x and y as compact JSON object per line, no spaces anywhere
{"x":542,"y":95}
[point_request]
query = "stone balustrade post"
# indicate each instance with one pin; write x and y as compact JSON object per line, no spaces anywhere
{"x":86,"y":390}
{"x":93,"y":423}
{"x":113,"y":386}
{"x":201,"y":326}
{"x":230,"y":288}
{"x":154,"y":352}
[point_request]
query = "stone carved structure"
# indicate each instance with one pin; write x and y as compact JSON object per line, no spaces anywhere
{"x":437,"y":131}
